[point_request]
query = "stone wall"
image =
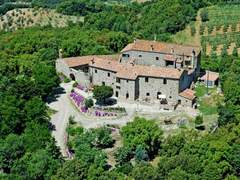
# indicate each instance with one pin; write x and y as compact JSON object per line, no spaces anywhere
{"x":62,"y":67}
{"x":126,"y":89}
{"x":185,"y":102}
{"x":150,"y":58}
{"x":101,"y":76}
{"x":156,"y":86}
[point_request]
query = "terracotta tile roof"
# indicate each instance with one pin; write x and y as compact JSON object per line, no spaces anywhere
{"x":105,"y":64}
{"x":78,"y":61}
{"x":188,"y":94}
{"x":161,"y":47}
{"x":163,"y":72}
{"x":124,"y":70}
{"x":211,"y":76}
{"x":85,"y":60}
{"x":127,"y":72}
{"x":133,"y":71}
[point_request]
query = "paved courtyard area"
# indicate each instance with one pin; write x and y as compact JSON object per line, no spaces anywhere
{"x":64,"y":109}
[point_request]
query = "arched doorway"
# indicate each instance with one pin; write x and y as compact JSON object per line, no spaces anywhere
{"x":72,"y":77}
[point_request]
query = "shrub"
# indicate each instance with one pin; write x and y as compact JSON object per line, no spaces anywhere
{"x":71,"y":120}
{"x":198,"y":120}
{"x":89,"y":103}
{"x":75,"y":84}
{"x":123,"y":155}
{"x":199,"y":123}
{"x":202,"y":28}
{"x":225,"y":28}
{"x":101,"y":93}
{"x":204,"y":15}
{"x":103,"y":138}
{"x":66,"y":80}
{"x":193,"y":29}
{"x":235,"y":52}
{"x":141,"y":154}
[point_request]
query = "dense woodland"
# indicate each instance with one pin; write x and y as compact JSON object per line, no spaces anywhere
{"x":28,"y":77}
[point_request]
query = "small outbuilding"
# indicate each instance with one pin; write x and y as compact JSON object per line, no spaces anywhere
{"x":210,"y":79}
{"x":187,"y":98}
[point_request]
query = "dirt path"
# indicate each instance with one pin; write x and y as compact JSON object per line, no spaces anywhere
{"x":198,"y":23}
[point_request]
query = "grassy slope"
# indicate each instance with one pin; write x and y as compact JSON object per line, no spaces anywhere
{"x":27,"y":17}
{"x":184,"y":37}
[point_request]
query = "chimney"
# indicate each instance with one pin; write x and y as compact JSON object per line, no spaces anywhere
{"x":152,"y":48}
{"x":60,"y":54}
{"x":92,"y":60}
{"x":135,"y":40}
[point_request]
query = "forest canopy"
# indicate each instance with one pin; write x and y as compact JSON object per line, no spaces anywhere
{"x":28,"y":78}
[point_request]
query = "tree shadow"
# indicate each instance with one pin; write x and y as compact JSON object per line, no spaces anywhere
{"x":108,"y":102}
{"x":55,"y":94}
{"x":51,"y":126}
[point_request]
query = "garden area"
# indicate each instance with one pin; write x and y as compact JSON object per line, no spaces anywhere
{"x":95,"y":103}
{"x":208,"y":102}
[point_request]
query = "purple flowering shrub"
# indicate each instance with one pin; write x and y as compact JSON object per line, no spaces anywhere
{"x":77,"y":98}
{"x":80,"y":87}
{"x":79,"y":101}
{"x":103,"y":113}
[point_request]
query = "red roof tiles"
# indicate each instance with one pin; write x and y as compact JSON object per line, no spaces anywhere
{"x":161,"y":47}
{"x":124,"y":70}
{"x":211,"y":76}
{"x":188,"y":94}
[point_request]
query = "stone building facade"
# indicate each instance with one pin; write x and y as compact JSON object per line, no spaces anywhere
{"x":145,"y":71}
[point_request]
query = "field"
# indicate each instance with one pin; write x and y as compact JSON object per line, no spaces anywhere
{"x":27,"y":17}
{"x":220,"y":33}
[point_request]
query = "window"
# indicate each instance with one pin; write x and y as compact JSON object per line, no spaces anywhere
{"x":157,"y":58}
{"x":169,"y":63}
{"x":158,"y":94}
{"x":125,"y":55}
{"x":117,"y":80}
{"x":108,"y":74}
{"x":140,"y":55}
{"x":164,"y":81}
{"x":116,"y":94}
{"x":146,"y":79}
{"x":187,"y":63}
{"x":118,"y":87}
{"x":103,"y":83}
{"x":147,"y":94}
{"x":95,"y":71}
{"x":127,"y":80}
{"x":170,"y":97}
{"x":127,"y":96}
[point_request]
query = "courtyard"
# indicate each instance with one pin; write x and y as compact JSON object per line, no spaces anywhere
{"x":62,"y":105}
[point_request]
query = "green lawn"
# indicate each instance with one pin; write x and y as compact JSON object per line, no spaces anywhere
{"x":200,"y":91}
{"x":208,"y":104}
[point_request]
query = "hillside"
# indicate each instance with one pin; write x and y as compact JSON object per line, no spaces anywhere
{"x":27,"y":17}
{"x":221,"y":32}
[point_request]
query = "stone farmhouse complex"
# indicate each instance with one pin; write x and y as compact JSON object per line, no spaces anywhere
{"x":144,"y":71}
